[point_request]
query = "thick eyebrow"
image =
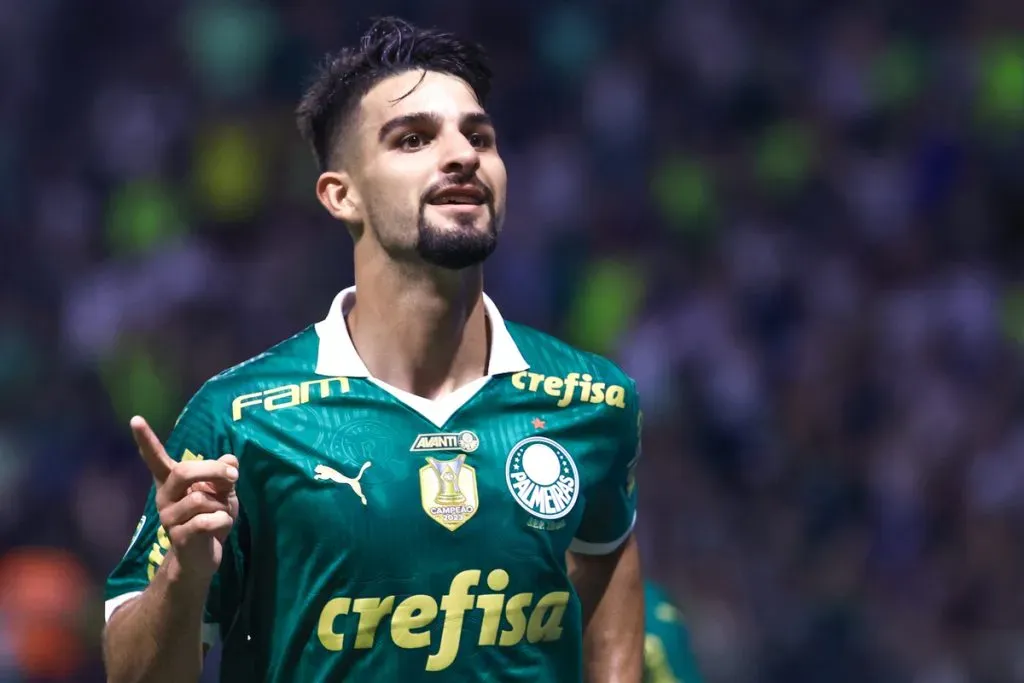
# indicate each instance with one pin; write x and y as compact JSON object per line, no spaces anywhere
{"x":477,"y":119}
{"x":420,"y":118}
{"x":426,"y":118}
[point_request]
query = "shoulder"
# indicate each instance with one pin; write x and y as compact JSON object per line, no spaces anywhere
{"x":556,"y":366}
{"x":281,"y":364}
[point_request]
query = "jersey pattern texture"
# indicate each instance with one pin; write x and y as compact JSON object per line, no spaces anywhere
{"x":376,"y":544}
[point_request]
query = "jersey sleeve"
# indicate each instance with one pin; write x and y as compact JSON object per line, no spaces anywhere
{"x":610,"y":512}
{"x":196,"y":435}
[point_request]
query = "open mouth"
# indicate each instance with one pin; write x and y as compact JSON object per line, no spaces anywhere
{"x":459,"y":195}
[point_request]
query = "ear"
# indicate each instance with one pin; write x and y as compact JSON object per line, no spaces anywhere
{"x":337,"y":194}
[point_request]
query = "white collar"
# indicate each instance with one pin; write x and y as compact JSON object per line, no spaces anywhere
{"x":337,"y":356}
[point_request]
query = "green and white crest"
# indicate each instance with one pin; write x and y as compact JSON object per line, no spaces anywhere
{"x":542,"y":477}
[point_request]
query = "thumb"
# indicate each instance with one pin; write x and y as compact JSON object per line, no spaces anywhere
{"x":222,"y":486}
{"x":229,"y":460}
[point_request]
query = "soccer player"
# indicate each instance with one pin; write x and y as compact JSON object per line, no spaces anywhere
{"x":391,"y":494}
{"x":668,"y":655}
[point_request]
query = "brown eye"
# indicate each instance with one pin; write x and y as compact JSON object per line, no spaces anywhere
{"x":411,"y":141}
{"x":479,"y":140}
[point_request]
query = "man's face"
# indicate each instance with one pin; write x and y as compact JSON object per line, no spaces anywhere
{"x":428,"y":177}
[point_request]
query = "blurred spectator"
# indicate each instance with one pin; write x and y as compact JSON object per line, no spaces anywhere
{"x":43,"y":599}
{"x":798,"y":225}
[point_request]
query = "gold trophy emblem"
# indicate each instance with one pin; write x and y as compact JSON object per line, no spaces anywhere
{"x":448,"y":480}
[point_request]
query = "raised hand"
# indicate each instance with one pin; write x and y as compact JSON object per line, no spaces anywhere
{"x":196,"y":502}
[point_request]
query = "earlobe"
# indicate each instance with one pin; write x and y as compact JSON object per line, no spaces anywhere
{"x":336,"y":194}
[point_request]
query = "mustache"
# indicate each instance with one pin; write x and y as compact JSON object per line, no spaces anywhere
{"x":459,"y":182}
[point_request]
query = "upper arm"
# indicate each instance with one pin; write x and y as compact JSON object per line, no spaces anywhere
{"x":610,"y":512}
{"x":196,"y":435}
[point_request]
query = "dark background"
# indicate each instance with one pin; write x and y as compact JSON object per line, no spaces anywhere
{"x":798,"y":225}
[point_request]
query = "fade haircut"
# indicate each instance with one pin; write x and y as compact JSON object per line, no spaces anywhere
{"x":389,"y":47}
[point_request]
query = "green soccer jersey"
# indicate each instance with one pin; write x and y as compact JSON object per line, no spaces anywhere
{"x":382,"y":536}
{"x":668,"y":655}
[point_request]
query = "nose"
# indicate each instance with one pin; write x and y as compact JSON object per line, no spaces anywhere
{"x":460,"y":156}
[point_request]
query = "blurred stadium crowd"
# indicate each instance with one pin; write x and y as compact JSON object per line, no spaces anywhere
{"x":798,"y":224}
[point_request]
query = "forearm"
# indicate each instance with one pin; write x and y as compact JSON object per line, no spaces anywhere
{"x":611,"y":590}
{"x":157,"y":637}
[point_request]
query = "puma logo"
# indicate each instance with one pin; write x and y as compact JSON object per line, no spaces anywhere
{"x":325,"y":473}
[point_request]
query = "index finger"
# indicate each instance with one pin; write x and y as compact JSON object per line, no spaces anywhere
{"x":151,"y":450}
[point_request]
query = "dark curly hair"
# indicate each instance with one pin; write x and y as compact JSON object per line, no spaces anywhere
{"x":390,"y":46}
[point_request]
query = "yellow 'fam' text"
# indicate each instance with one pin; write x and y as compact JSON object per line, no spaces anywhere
{"x":288,"y":395}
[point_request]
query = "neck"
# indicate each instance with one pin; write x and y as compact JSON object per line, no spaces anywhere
{"x":421,"y":330}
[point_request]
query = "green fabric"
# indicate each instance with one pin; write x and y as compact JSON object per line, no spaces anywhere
{"x":376,"y":544}
{"x":668,"y":652}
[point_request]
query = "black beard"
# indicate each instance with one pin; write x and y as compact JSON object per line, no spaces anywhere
{"x":457,"y":248}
